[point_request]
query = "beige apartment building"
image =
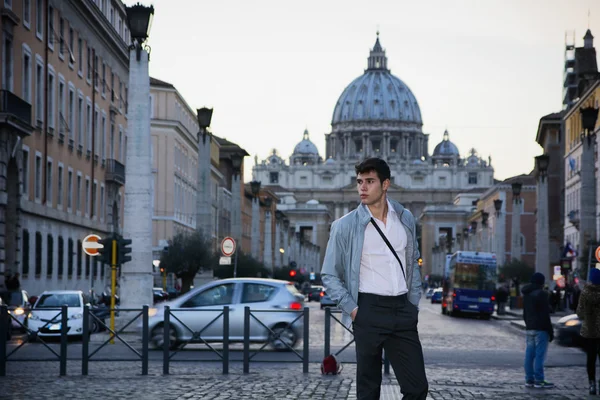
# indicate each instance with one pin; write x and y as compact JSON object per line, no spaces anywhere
{"x":65,"y":70}
{"x":174,"y":129}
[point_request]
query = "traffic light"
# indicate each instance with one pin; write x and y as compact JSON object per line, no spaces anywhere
{"x":420,"y":260}
{"x":123,"y":250}
{"x":105,"y":253}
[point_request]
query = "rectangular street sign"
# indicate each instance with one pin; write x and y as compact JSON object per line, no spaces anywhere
{"x":225,"y":261}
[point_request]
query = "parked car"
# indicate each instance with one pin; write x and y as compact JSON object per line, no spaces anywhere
{"x":18,"y":307}
{"x":326,"y":301}
{"x":568,"y":331}
{"x":237,"y":293}
{"x":159,"y":295}
{"x":429,"y":293}
{"x":314,"y":294}
{"x":45,"y":319}
{"x":436,"y":297}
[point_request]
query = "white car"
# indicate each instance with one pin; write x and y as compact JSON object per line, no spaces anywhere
{"x":45,"y":318}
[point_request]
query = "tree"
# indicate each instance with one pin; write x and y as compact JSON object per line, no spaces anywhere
{"x":516,"y":271}
{"x":186,"y":254}
{"x":247,"y":267}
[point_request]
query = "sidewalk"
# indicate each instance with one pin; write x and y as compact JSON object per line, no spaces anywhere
{"x":515,"y":316}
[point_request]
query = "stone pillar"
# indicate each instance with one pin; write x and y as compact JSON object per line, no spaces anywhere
{"x":236,"y":209}
{"x":255,"y":241}
{"x":277,"y":251}
{"x":136,"y":277}
{"x":587,"y":208}
{"x":515,"y":248}
{"x":286,"y":247}
{"x":297,"y":249}
{"x":345,"y":210}
{"x":338,"y":211}
{"x":542,"y":237}
{"x":204,"y":198}
{"x":346,"y":145}
{"x":365,"y":145}
{"x":268,"y":251}
{"x":500,"y":237}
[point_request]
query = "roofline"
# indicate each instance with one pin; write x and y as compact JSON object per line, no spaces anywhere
{"x":582,"y":98}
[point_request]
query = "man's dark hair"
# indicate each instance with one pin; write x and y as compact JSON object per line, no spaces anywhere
{"x":374,"y":164}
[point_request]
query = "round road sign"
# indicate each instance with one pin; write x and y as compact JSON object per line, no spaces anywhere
{"x":90,"y":245}
{"x":598,"y":253}
{"x":228,"y":246}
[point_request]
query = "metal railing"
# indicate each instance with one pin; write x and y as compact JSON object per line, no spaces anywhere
{"x":12,"y":104}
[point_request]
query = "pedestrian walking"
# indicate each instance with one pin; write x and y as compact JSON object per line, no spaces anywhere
{"x":371,"y":271}
{"x":539,"y":331}
{"x":502,"y":299}
{"x":588,"y":311}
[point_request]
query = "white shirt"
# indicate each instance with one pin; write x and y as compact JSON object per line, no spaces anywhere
{"x":380,"y":272}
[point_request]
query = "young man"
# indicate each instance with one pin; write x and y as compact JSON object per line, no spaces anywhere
{"x":377,"y":290}
{"x":539,"y":331}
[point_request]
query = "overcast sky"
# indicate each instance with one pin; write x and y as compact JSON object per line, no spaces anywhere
{"x":485,"y":70}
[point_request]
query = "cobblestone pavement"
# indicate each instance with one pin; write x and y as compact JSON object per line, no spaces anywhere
{"x":27,"y":380}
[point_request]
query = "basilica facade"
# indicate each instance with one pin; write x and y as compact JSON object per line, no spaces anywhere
{"x":377,"y":115}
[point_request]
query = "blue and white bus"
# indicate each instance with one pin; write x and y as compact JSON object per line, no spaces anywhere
{"x":470,"y":283}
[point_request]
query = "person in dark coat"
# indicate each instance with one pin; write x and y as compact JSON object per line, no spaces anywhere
{"x":588,"y":310}
{"x":539,"y":331}
{"x":502,"y":299}
{"x":13,"y":282}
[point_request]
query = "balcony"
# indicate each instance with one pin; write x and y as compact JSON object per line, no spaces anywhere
{"x":15,"y":113}
{"x":115,"y":172}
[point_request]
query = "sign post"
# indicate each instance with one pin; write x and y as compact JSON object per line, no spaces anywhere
{"x":228,"y":247}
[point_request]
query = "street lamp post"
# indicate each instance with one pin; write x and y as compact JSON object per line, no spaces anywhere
{"x":459,"y":240}
{"x":466,"y":239}
{"x":587,"y":208}
{"x":268,"y":250}
{"x":136,"y":280}
{"x":204,"y":195}
{"x":236,"y":198}
{"x":542,"y":237}
{"x":515,"y":248}
{"x":484,"y":231}
{"x":474,"y":234}
{"x":499,"y":233}
{"x":255,"y":188}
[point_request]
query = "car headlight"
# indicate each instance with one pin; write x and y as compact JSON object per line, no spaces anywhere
{"x":572,"y":322}
{"x":152,"y":312}
{"x":33,"y":317}
{"x":19,"y":311}
{"x":77,"y":316}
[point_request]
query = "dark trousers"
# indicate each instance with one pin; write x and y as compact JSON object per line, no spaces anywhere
{"x":592,"y":350}
{"x":390,"y":323}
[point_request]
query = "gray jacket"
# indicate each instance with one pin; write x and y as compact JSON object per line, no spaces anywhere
{"x":341,"y":266}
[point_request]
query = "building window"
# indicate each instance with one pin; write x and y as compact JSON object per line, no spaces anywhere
{"x":274,"y":177}
{"x":70,"y":259}
{"x":121,"y":149}
{"x":27,"y":13}
{"x":80,"y":117}
{"x":38,"y":254}
{"x":25,"y":177}
{"x":7,"y":63}
{"x":25,"y":254}
{"x":103,"y":80}
{"x":95,"y":72}
{"x":112,"y":87}
{"x":442,"y":180}
{"x":61,"y":32}
{"x":101,"y":215}
{"x":51,"y":101}
{"x":71,"y":126}
{"x":26,"y":75}
{"x":49,"y":182}
{"x":39,"y":92}
{"x":95,"y":199}
{"x":70,"y":190}
{"x":50,"y":258}
{"x":87,"y":196}
{"x":61,"y":109}
{"x":89,"y":64}
{"x":103,"y":139}
{"x":61,"y":255}
{"x":39,"y":19}
{"x":51,"y":28}
{"x":472,"y":178}
{"x":78,"y":194}
{"x":89,"y":127}
{"x":80,"y":56}
{"x":112,"y":140}
{"x":71,"y":46}
{"x":38,"y":177}
{"x":97,"y":132}
{"x":79,"y":266}
{"x":303,"y":180}
{"x":59,"y":194}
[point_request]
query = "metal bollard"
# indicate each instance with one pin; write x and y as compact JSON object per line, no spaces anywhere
{"x":306,"y":340}
{"x":145,"y":340}
{"x":4,"y":327}
{"x":327,"y":331}
{"x":166,"y":340}
{"x":226,"y":340}
{"x":246,"y":340}
{"x":85,"y":341}
{"x":64,"y":318}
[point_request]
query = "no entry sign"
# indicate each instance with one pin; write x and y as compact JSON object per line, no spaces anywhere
{"x":90,"y":245}
{"x":228,"y":246}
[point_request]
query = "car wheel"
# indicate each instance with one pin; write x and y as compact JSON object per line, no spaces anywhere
{"x":157,"y":337}
{"x":283,"y":333}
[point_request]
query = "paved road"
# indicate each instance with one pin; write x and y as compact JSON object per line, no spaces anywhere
{"x":466,"y":358}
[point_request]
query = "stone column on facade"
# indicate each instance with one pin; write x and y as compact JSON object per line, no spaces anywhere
{"x":286,"y":244}
{"x":587,"y":198}
{"x":542,"y":228}
{"x":297,"y":249}
{"x":136,"y":278}
{"x":498,"y":243}
{"x":268,"y":250}
{"x":277,"y":249}
{"x":332,"y":145}
{"x":365,"y":145}
{"x":338,"y":211}
{"x":515,"y":248}
{"x":255,"y":241}
{"x":346,"y":145}
{"x":236,"y":209}
{"x":385,"y":145}
{"x":485,"y":232}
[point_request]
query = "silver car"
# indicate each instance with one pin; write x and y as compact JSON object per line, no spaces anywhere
{"x":237,"y":293}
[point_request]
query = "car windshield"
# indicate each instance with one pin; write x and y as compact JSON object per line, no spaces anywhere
{"x":58,"y":300}
{"x":12,"y":298}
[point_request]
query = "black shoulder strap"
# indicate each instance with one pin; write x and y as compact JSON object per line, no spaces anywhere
{"x":389,"y":245}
